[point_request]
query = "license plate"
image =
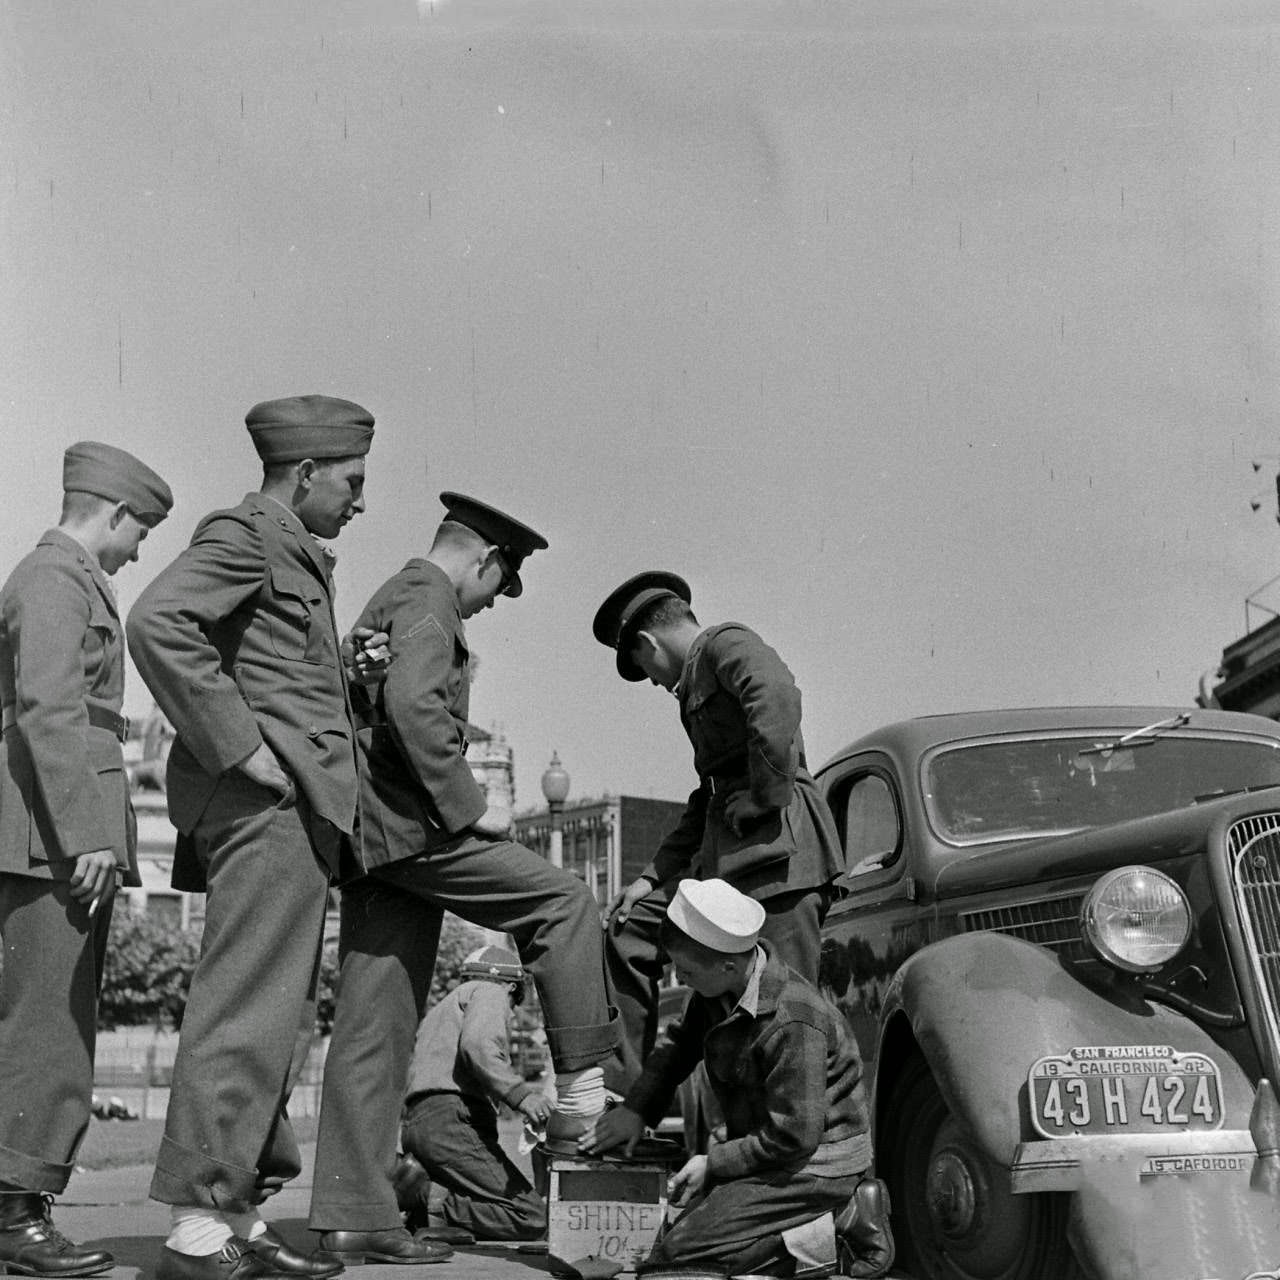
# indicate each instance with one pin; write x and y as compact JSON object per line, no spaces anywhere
{"x":1100,"y":1089}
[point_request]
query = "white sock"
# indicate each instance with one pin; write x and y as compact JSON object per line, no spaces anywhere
{"x":580,"y":1093}
{"x":196,"y":1231}
{"x":248,"y":1226}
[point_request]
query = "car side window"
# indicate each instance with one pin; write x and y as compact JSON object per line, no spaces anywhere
{"x":872,"y":829}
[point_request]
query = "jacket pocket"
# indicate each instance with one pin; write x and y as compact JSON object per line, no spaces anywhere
{"x":298,"y":619}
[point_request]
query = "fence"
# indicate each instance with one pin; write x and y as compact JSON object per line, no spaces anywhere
{"x":137,"y":1069}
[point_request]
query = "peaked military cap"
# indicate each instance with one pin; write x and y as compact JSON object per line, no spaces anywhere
{"x":615,"y":619}
{"x":513,"y":539}
{"x":111,"y":473}
{"x":300,"y":427}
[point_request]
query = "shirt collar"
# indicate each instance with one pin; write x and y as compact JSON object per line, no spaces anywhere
{"x":749,"y":1000}
{"x":689,"y":659}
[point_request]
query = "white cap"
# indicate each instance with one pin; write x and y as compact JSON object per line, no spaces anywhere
{"x":716,"y":914}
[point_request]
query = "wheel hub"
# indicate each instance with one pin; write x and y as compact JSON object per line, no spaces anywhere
{"x":954,"y":1192}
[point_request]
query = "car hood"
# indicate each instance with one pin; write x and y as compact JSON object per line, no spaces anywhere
{"x":1178,"y":833}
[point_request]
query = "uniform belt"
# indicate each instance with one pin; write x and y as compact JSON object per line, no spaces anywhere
{"x":99,"y":717}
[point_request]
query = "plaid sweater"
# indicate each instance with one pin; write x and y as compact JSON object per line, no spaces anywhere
{"x":787,"y":1076}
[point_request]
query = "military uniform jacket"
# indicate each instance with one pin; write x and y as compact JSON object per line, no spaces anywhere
{"x":63,"y":790}
{"x":236,"y":639}
{"x":741,"y":709}
{"x":416,"y":788}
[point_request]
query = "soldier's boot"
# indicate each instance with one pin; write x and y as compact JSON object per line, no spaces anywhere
{"x":30,"y":1245}
{"x":864,"y":1243}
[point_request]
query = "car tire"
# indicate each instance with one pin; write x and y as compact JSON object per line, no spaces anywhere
{"x":955,"y":1216}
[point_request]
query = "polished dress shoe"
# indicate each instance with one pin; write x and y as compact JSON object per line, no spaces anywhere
{"x":236,"y":1260}
{"x":864,"y":1243}
{"x":393,"y":1245}
{"x":30,"y":1245}
{"x":283,"y":1259}
{"x":563,"y":1132}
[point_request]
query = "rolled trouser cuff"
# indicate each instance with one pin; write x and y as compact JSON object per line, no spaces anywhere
{"x":573,"y":1048}
{"x":193,"y":1179}
{"x":22,"y":1172}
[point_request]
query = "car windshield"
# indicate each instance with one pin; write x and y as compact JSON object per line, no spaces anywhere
{"x":1022,"y":787}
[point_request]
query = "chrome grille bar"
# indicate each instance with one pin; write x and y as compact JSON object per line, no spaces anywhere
{"x":1253,"y":847}
{"x":1048,"y":922}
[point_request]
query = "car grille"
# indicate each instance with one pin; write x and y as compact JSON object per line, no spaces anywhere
{"x":1253,"y":849}
{"x":1049,"y":922}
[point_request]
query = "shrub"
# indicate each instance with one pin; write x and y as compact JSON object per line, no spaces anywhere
{"x":147,"y":971}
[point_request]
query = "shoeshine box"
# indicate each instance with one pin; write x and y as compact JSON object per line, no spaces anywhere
{"x":609,"y":1209}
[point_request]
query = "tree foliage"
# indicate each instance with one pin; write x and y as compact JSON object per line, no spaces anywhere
{"x":147,"y":972}
{"x":457,"y":940}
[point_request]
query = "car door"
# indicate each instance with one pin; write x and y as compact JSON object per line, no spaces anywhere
{"x":875,"y":922}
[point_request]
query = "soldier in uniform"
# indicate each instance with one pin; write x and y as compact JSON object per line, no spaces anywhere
{"x":756,"y":818}
{"x":430,"y":844}
{"x":236,"y":640}
{"x":66,"y":835}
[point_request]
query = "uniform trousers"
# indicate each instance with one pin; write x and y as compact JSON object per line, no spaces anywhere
{"x":251,"y":1009}
{"x":456,"y":1140}
{"x":390,"y":929}
{"x":635,"y":960}
{"x":737,"y":1225}
{"x":49,"y":983}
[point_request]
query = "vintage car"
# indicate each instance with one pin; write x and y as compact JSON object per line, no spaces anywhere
{"x":1058,"y":944}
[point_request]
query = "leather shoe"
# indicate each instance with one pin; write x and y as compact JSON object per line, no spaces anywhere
{"x":563,"y":1132}
{"x":445,"y":1234}
{"x":30,"y":1245}
{"x":236,"y":1260}
{"x":864,"y":1243}
{"x":273,"y":1249}
{"x":393,"y":1245}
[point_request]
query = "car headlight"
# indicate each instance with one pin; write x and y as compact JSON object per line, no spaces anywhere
{"x":1136,"y":918}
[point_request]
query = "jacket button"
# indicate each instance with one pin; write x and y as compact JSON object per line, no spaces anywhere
{"x":313,"y":732}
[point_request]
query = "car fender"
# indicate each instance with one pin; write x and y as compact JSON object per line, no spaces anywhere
{"x":982,"y":1007}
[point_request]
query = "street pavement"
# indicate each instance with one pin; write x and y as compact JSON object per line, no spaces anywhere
{"x":110,"y":1209}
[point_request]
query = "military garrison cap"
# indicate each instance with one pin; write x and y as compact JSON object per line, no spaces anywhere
{"x":300,"y":427}
{"x":513,"y":539}
{"x":111,"y":473}
{"x":613,"y":625}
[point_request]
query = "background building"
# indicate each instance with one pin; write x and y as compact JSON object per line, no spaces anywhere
{"x":606,"y":841}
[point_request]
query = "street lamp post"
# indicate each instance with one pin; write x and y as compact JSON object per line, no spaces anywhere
{"x":555,"y":789}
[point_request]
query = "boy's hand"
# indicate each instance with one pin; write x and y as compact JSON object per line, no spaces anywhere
{"x":687,"y":1183}
{"x":741,"y":812}
{"x":535,"y":1107}
{"x":616,"y":1127}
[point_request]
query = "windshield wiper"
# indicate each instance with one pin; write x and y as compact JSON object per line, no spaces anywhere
{"x":1139,"y":737}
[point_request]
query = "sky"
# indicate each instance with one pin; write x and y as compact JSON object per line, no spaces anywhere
{"x":933,"y":341}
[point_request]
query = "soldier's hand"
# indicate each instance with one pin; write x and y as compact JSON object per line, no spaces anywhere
{"x":616,"y":1127}
{"x":493,"y":823}
{"x":365,"y":655}
{"x":94,"y":879}
{"x":620,"y":908}
{"x":263,"y":767}
{"x":741,"y":812}
{"x":535,"y":1107}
